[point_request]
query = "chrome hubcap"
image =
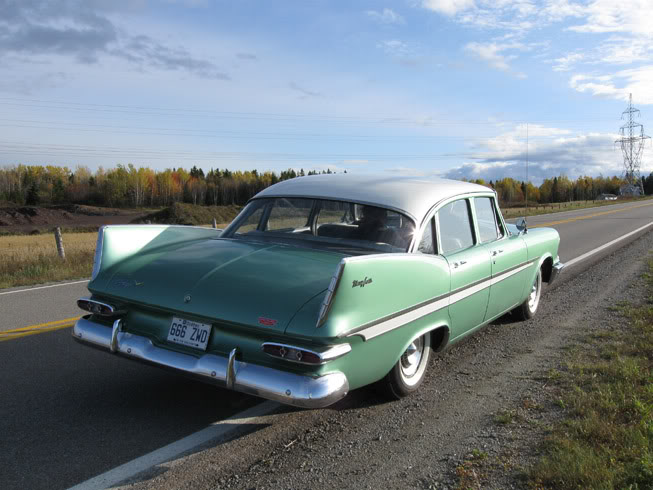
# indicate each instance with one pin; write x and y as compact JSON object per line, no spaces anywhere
{"x":534,"y":297}
{"x":411,"y":358}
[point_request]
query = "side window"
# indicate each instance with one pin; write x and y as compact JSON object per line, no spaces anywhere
{"x":289,"y":214}
{"x":455,"y":226}
{"x":252,"y":222}
{"x":487,"y":219}
{"x":426,"y":244}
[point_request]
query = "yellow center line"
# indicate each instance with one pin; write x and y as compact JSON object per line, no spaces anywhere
{"x":35,"y":332}
{"x":603,"y":213}
{"x":17,"y":333}
{"x":40,"y":325}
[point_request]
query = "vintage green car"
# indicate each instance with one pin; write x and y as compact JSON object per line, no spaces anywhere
{"x":321,"y":285}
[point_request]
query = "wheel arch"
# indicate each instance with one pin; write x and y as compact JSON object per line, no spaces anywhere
{"x":439,"y":333}
{"x":546,"y":264}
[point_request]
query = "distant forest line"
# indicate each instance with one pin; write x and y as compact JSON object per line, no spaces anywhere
{"x":129,"y":186}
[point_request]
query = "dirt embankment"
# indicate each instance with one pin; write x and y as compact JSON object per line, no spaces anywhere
{"x":32,"y":218}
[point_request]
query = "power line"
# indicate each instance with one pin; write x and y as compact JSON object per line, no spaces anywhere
{"x":277,"y":116}
{"x":258,"y":135}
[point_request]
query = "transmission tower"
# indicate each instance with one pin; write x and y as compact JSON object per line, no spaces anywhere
{"x":632,"y":144}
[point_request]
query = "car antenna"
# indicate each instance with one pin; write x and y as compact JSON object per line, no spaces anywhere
{"x":526,"y":171}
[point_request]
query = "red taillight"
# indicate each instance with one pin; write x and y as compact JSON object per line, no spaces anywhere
{"x":97,"y":307}
{"x":293,"y":354}
{"x":304,"y":356}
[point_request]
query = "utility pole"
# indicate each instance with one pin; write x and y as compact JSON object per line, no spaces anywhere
{"x":632,"y":146}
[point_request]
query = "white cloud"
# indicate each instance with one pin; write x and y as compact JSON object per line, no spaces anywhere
{"x":565,"y":63}
{"x":493,"y":54}
{"x":610,"y":16}
{"x":448,"y":7}
{"x":622,"y":50}
{"x":551,"y":151}
{"x":559,"y":10}
{"x":638,"y":81}
{"x":386,"y":16}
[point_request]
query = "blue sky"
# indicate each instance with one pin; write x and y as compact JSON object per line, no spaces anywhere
{"x":458,"y":88}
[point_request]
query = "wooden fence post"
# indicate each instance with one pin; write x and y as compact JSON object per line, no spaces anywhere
{"x":59,"y":241}
{"x":215,"y":223}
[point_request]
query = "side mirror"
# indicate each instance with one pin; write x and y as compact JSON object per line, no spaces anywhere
{"x":522,"y":226}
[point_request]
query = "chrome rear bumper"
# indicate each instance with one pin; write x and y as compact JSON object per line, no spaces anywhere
{"x":273,"y":384}
{"x":555,"y":271}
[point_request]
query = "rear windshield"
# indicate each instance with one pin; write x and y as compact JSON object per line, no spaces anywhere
{"x":318,"y":222}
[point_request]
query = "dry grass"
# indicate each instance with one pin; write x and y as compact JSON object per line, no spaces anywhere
{"x":33,"y":259}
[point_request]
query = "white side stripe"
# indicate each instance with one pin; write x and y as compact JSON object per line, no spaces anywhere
{"x":500,"y":278}
{"x":386,"y":326}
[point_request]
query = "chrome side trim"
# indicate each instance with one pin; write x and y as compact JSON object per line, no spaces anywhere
{"x":328,"y":355}
{"x":273,"y":384}
{"x":113,"y":346}
{"x":231,"y":371}
{"x":555,"y":271}
{"x":333,"y":285}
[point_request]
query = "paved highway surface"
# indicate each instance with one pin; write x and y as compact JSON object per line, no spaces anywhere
{"x":70,"y":413}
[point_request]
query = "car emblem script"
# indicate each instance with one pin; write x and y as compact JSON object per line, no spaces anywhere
{"x":362,"y":283}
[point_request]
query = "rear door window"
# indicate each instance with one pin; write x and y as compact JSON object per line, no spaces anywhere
{"x":455,"y":224}
{"x":486,"y":218}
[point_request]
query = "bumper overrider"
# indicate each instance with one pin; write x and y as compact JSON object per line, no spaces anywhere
{"x":265,"y":382}
{"x":555,"y":271}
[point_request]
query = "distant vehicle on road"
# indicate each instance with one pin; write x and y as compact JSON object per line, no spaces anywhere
{"x":321,"y":285}
{"x":606,"y":197}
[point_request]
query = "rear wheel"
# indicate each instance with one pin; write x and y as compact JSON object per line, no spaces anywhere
{"x":407,"y":375}
{"x":528,"y":308}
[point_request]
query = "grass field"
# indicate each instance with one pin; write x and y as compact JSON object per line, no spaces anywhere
{"x":605,"y":439}
{"x":33,"y":259}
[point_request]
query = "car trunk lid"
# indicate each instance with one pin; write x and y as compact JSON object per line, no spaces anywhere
{"x":261,"y":285}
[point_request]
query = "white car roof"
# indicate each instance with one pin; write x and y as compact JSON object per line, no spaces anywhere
{"x":414,"y":196}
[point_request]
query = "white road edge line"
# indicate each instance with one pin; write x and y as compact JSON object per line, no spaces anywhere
{"x":573,"y":261}
{"x":218,"y":430}
{"x":45,"y":287}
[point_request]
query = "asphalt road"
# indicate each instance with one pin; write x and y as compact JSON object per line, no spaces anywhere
{"x":69,"y":413}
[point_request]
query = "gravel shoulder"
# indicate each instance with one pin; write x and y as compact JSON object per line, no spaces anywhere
{"x":476,"y":422}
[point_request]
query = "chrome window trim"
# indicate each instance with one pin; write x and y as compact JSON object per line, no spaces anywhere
{"x":97,"y":257}
{"x":434,"y":210}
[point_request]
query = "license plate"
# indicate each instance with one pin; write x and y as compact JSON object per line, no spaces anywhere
{"x":189,"y":333}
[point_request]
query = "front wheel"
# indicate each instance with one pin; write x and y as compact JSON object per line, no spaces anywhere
{"x":406,"y":376}
{"x":528,"y":308}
